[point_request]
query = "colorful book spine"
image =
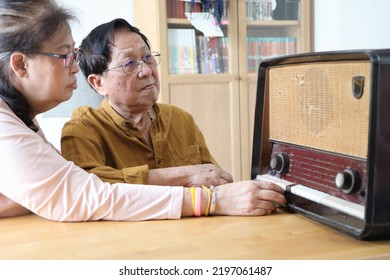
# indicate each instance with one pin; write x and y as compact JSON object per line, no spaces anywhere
{"x":190,"y":53}
{"x":259,"y":9}
{"x":260,"y":48}
{"x":178,"y":8}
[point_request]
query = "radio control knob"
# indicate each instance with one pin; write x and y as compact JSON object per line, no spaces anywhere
{"x":348,"y":180}
{"x":279,"y":163}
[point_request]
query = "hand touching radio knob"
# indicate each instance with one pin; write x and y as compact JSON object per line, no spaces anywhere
{"x":348,"y":180}
{"x":279,"y":163}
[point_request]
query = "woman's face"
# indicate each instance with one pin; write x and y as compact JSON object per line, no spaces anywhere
{"x":48,"y":82}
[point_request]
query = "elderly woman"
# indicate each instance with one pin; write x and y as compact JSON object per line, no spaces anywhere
{"x":38,"y":72}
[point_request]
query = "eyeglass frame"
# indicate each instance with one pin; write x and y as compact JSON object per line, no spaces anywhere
{"x":154,"y":54}
{"x":68,"y":62}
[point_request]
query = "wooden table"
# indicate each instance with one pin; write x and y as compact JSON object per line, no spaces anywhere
{"x":276,"y":237}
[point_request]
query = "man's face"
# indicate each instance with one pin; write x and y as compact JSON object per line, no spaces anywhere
{"x":130,"y":92}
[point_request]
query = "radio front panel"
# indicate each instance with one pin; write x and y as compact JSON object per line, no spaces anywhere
{"x":316,"y":135}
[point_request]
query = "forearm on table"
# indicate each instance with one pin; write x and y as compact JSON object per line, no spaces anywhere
{"x":130,"y":175}
{"x":170,"y":176}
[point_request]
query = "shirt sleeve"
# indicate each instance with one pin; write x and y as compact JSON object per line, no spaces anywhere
{"x":35,"y":177}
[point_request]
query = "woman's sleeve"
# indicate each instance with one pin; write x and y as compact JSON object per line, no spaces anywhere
{"x":36,"y":177}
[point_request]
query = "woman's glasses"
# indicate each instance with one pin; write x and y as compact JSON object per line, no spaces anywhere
{"x":68,"y":58}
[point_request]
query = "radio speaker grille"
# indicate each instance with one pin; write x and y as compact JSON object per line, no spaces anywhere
{"x":313,"y":105}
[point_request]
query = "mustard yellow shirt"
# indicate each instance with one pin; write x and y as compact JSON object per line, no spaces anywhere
{"x":102,"y":142}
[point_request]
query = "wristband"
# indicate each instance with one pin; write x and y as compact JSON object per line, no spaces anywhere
{"x":198,"y":202}
{"x":192,"y":189}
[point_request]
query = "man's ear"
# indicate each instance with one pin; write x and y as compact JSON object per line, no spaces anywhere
{"x":97,"y":83}
{"x":18,"y":63}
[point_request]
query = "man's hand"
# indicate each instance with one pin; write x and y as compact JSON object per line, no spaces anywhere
{"x":207,"y":174}
{"x":189,"y":175}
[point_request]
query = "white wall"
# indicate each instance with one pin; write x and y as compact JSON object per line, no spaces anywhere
{"x":90,"y":13}
{"x":351,"y":24}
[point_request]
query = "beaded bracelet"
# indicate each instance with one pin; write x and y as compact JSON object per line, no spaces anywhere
{"x":213,"y":203}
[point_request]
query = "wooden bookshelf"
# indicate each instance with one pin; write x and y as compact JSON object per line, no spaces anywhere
{"x":222,"y":104}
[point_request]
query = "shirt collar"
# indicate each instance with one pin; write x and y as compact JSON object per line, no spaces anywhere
{"x":118,"y":119}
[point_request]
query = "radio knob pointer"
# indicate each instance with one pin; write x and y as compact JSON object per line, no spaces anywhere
{"x":279,"y":163}
{"x":348,"y":180}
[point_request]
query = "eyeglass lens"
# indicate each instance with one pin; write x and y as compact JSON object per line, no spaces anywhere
{"x":133,"y":65}
{"x":70,"y":58}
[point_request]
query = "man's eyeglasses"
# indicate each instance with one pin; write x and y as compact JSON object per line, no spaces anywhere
{"x":68,"y":58}
{"x":134,"y":65}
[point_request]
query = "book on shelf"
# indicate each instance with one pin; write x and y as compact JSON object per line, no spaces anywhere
{"x":260,"y":48}
{"x":182,"y":51}
{"x":178,"y":8}
{"x":272,"y":9}
{"x":196,"y":54}
{"x":259,"y":9}
{"x":212,"y":54}
{"x":190,"y":53}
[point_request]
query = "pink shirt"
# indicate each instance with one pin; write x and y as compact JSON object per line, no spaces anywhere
{"x":34,"y":177}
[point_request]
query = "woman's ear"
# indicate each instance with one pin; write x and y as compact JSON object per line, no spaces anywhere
{"x":18,"y":63}
{"x":96,"y":83}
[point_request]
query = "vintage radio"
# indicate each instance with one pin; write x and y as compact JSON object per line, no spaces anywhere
{"x":322,"y":132}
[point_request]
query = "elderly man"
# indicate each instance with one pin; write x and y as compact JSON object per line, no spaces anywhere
{"x":129,"y":137}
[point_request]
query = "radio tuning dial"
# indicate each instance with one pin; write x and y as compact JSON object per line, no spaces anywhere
{"x":279,"y":163}
{"x":348,"y":180}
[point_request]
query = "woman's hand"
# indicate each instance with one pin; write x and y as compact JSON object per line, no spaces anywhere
{"x":248,"y":198}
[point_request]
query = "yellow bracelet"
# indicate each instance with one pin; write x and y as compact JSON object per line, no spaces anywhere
{"x":208,"y":200}
{"x":193,"y":190}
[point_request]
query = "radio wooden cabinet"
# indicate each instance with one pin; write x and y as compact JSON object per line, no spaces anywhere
{"x":221,"y":96}
{"x":321,"y":133}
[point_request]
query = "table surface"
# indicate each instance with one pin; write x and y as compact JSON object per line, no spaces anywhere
{"x":279,"y":236}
